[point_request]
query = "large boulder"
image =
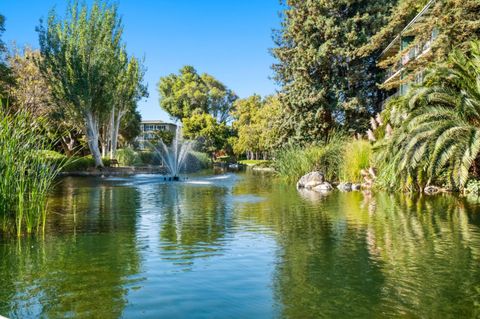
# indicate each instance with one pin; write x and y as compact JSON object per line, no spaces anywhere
{"x":324,"y":187}
{"x":311,"y":180}
{"x":345,"y":187}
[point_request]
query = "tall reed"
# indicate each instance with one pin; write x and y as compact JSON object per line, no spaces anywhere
{"x":293,"y":162}
{"x":26,"y":176}
{"x":357,"y":156}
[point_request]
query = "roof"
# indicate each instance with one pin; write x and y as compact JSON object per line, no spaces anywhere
{"x":156,"y":122}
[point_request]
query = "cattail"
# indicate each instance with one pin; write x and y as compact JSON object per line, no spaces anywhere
{"x":371,"y":136}
{"x":373,"y":123}
{"x":389,"y":130}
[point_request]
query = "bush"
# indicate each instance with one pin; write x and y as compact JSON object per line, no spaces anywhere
{"x":150,"y":158}
{"x":197,"y":160}
{"x":128,"y":157}
{"x":356,"y":156}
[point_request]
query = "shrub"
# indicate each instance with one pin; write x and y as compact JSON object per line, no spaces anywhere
{"x":197,"y":160}
{"x":150,"y":158}
{"x":356,"y":156}
{"x":128,"y":157}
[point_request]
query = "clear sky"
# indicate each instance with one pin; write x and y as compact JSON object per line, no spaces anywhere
{"x":228,"y":39}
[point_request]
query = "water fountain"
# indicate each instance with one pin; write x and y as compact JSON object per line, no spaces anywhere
{"x":174,"y":156}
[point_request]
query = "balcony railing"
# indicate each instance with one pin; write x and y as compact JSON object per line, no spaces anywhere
{"x":412,"y":54}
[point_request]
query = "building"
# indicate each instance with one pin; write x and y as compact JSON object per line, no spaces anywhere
{"x":149,"y":131}
{"x":398,"y":72}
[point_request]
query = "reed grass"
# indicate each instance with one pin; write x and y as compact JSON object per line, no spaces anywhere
{"x":357,"y":155}
{"x":293,"y":162}
{"x":26,"y":176}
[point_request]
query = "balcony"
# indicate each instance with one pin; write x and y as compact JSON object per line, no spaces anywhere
{"x":414,"y":53}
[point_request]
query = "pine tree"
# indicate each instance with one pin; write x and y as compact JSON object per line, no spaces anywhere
{"x":324,"y":82}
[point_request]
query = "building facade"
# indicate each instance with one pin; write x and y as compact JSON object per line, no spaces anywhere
{"x":398,"y":73}
{"x":149,"y":130}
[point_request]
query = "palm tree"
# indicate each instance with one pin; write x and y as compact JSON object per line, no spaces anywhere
{"x":438,"y":126}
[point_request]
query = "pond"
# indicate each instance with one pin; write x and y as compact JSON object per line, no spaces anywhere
{"x":242,"y":246}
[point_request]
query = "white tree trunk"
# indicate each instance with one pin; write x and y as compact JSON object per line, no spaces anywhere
{"x":115,"y":130}
{"x":92,"y":138}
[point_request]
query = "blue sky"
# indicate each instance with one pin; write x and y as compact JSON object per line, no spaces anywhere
{"x":228,"y":39}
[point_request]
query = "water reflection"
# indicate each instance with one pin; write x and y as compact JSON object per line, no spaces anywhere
{"x":73,"y":275}
{"x":242,"y":246}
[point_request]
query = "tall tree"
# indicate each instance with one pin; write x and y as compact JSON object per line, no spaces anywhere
{"x":255,"y":122}
{"x":129,"y":90}
{"x":211,"y":135}
{"x":80,"y":58}
{"x":324,"y":83}
{"x":31,"y":91}
{"x":188,"y":92}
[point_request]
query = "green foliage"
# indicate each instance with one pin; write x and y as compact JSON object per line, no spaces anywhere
{"x":128,"y":157}
{"x":223,"y":159}
{"x":258,"y":163}
{"x":210,"y":135}
{"x":130,"y":126}
{"x":197,"y":161}
{"x":81,"y":60}
{"x":357,"y":156}
{"x":166,"y":136}
{"x":26,"y":176}
{"x":255,"y":121}
{"x":150,"y":158}
{"x":473,"y":187}
{"x":188,"y":92}
{"x":324,"y":82}
{"x":6,"y":78}
{"x":455,"y":20}
{"x":293,"y":162}
{"x":437,"y":135}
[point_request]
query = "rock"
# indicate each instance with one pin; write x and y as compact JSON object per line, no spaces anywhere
{"x":324,"y":187}
{"x":345,"y":187}
{"x":311,"y":184}
{"x":356,"y":187}
{"x":313,"y":178}
{"x":430,"y":190}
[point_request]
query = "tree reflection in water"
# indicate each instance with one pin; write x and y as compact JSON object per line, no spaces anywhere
{"x":59,"y":276}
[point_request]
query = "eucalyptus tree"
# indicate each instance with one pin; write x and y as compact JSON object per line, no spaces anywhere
{"x":81,"y":60}
{"x":129,"y":90}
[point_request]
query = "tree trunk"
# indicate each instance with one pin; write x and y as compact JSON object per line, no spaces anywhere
{"x":92,"y":138}
{"x":68,"y":145}
{"x":115,"y":130}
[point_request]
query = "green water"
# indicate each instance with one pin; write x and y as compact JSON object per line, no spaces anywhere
{"x":242,"y":246}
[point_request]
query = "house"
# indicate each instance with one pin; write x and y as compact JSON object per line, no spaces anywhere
{"x":149,"y":131}
{"x":397,"y":73}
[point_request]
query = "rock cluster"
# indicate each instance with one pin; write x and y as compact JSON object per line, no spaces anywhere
{"x":315,"y":181}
